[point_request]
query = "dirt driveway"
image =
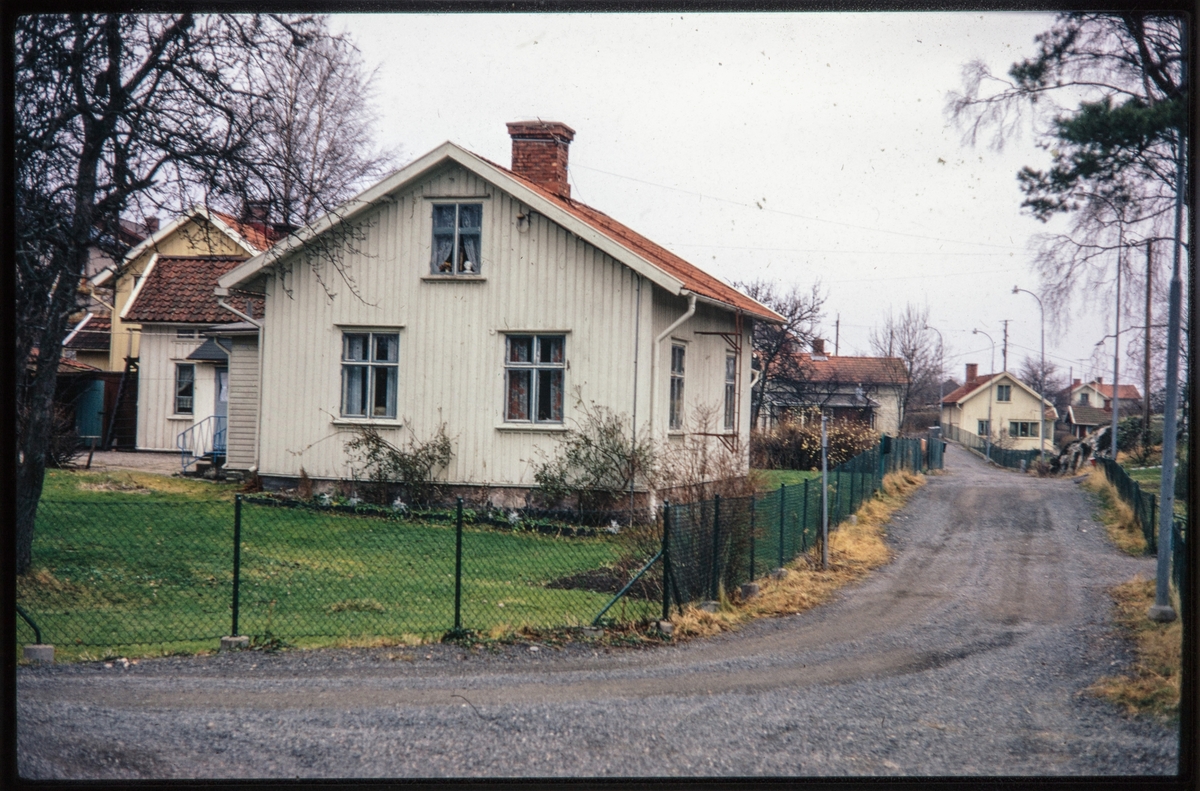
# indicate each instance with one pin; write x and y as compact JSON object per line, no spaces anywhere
{"x":968,"y":655}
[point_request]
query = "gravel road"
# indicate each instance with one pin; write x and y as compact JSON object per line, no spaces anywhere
{"x":967,"y":655}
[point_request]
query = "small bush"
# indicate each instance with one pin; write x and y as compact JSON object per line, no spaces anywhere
{"x":411,"y":470}
{"x":596,"y":462}
{"x":796,"y":445}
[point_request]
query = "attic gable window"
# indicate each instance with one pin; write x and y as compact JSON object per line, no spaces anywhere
{"x":370,"y":368}
{"x":1004,"y":392}
{"x":457,"y":230}
{"x":533,"y":378}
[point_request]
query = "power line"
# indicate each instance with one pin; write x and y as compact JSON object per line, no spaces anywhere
{"x":810,"y":250}
{"x":800,"y":216}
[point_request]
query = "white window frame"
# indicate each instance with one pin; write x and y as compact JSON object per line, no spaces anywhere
{"x":534,"y":369}
{"x":1023,"y":429}
{"x":675,"y":391}
{"x":984,"y":428}
{"x":389,"y":368}
{"x":456,"y":264}
{"x":177,"y":397}
{"x":731,"y":361}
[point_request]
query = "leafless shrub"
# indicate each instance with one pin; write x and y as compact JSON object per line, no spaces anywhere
{"x":411,"y":470}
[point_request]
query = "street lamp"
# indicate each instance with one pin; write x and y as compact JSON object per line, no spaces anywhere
{"x":1119,"y":212}
{"x":991,"y":383}
{"x":1041,"y":371}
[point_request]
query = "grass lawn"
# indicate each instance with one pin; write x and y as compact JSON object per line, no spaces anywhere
{"x":132,"y":564}
{"x":773,"y":478}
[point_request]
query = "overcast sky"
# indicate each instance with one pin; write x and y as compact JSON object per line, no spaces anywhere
{"x":794,"y":147}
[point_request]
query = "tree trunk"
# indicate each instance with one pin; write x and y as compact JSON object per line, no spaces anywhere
{"x":36,"y":418}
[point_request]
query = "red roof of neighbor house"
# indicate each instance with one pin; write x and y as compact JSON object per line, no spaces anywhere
{"x":693,"y":278}
{"x":955,"y":396}
{"x":261,"y":236}
{"x":1127,"y":391}
{"x":180,"y":289}
{"x":856,"y":370}
{"x":65,"y":365}
{"x":94,"y":336}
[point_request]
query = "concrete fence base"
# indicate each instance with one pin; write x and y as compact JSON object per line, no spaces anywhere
{"x":39,"y":652}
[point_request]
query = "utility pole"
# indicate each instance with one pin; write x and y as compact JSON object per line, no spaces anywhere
{"x":1116,"y":400}
{"x":837,"y":328}
{"x":1162,"y":610}
{"x":1146,"y":353}
{"x":1004,"y":348}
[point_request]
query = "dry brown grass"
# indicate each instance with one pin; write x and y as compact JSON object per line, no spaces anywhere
{"x":1120,"y":524}
{"x":1152,"y":687}
{"x":854,"y":549}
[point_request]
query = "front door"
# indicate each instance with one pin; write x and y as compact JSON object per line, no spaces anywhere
{"x":222,"y":406}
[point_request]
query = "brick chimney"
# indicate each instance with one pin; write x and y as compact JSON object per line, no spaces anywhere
{"x":1099,"y":380}
{"x":972,"y":372}
{"x":539,"y":153}
{"x":818,"y":347}
{"x":257,"y":211}
{"x":1076,"y":383}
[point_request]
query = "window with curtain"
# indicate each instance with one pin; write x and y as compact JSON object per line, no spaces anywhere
{"x":533,"y":378}
{"x":730,"y":390}
{"x":370,"y":371}
{"x":676,"y":416}
{"x":1022,"y":429}
{"x":457,"y":229}
{"x":185,"y":388}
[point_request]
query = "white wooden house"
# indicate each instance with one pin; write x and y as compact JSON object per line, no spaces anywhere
{"x":490,"y":302}
{"x":183,"y":378}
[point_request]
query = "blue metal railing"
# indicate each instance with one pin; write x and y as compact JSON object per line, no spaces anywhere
{"x":204,"y":439}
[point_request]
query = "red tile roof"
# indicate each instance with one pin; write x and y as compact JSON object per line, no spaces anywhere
{"x":261,"y":236}
{"x":180,"y":289}
{"x":1127,"y":391}
{"x":65,"y":365}
{"x":693,"y":278}
{"x":93,"y":337}
{"x":856,"y":370}
{"x":955,"y":396}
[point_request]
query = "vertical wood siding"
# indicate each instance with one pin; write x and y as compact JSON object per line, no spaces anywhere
{"x":243,"y":402}
{"x":452,"y":338}
{"x":158,"y":425}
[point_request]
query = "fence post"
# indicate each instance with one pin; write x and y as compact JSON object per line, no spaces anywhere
{"x":237,"y":558}
{"x":666,"y":560}
{"x":804,"y":519}
{"x":458,"y":568}
{"x":782,"y":508}
{"x":716,"y":547}
{"x":752,"y":510}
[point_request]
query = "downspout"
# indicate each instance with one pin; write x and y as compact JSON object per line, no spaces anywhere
{"x":258,"y":418}
{"x":691,"y":311}
{"x":637,"y":335}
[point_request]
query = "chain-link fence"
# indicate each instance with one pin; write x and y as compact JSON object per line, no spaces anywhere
{"x":121,"y":573}
{"x":715,"y":546}
{"x":135,"y":570}
{"x":1004,"y":457}
{"x":1143,"y":504}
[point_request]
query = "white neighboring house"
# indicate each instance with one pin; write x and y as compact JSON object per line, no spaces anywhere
{"x":1098,"y":395}
{"x":183,"y":381}
{"x":493,"y":304}
{"x":1018,"y":415}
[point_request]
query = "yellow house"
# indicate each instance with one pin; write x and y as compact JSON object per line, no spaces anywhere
{"x":197,"y":232}
{"x":1002,"y":406}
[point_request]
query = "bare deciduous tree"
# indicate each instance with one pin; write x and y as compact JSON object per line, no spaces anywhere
{"x":777,"y":346}
{"x":909,"y":338}
{"x":115,"y":112}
